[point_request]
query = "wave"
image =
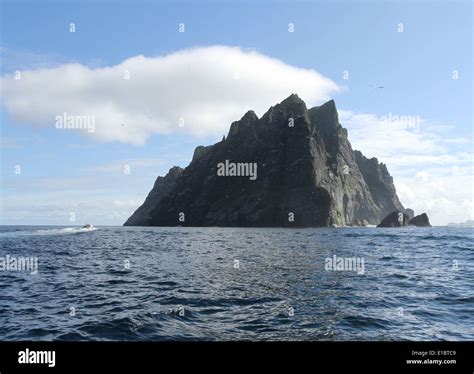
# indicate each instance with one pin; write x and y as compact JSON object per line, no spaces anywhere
{"x":180,"y":291}
{"x":447,"y":237}
{"x":67,"y":230}
{"x":63,"y":231}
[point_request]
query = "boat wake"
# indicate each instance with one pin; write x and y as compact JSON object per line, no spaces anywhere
{"x":46,"y":232}
{"x":65,"y":231}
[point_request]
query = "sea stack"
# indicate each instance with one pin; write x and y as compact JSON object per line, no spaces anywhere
{"x":306,"y":175}
{"x":421,"y":220}
{"x":395,"y":219}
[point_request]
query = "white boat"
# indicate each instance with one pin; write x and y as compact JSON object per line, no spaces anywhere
{"x":88,"y":226}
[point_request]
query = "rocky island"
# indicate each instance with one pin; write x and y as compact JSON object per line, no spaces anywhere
{"x":400,"y":219}
{"x":293,"y":167}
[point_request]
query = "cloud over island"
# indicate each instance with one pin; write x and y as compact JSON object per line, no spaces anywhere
{"x":200,"y":91}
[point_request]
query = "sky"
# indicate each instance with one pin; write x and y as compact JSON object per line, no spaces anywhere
{"x":153,"y":80}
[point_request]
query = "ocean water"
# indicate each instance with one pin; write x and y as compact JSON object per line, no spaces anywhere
{"x":151,"y":283}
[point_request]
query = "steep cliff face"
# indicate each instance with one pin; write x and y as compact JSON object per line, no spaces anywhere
{"x":162,"y":186}
{"x":306,"y":175}
{"x":379,"y":182}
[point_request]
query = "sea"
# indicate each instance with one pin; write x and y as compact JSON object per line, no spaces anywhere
{"x":222,"y":284}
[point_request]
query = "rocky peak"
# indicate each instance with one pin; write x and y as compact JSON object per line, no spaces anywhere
{"x":249,"y":119}
{"x":175,"y":171}
{"x":325,"y":118}
{"x":199,"y":152}
{"x":293,"y":105}
{"x":307,"y":171}
{"x":326,"y":123}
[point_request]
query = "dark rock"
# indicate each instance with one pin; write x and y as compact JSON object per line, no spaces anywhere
{"x":307,"y":176}
{"x":394,"y":219}
{"x":200,"y":151}
{"x":410,"y":213}
{"x":379,"y":182}
{"x":421,"y":220}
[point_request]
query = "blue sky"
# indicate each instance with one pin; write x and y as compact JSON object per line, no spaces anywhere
{"x":64,"y":172}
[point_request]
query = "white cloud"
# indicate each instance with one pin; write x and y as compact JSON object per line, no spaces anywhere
{"x":378,"y":137}
{"x":208,"y":87}
{"x":445,"y":199}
